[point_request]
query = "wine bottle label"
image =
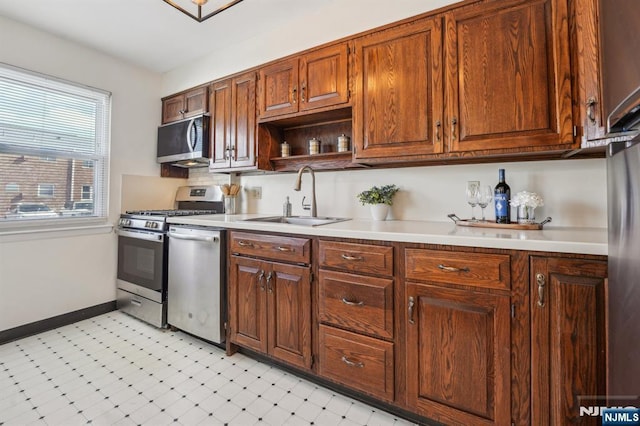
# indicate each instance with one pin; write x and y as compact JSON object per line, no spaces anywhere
{"x":502,"y":205}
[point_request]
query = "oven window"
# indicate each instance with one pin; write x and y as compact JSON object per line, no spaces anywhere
{"x":140,"y":262}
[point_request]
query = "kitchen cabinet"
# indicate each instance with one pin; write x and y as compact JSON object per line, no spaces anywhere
{"x":567,"y":338}
{"x":232,"y":105}
{"x":184,"y":105}
{"x":355,"y":312}
{"x":269,"y":300}
{"x":313,"y":80}
{"x":585,"y":41}
{"x":458,"y":350}
{"x":508,"y":78}
{"x":398,"y":106}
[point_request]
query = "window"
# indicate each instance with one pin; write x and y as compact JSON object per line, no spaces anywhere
{"x":46,"y":190}
{"x":54,"y":147}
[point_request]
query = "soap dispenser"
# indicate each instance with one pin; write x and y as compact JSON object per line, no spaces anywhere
{"x":286,"y":208}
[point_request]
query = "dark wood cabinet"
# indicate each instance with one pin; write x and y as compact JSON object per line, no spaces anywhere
{"x":313,"y":80}
{"x":232,"y":105}
{"x":184,"y":105}
{"x":270,"y":301}
{"x":567,"y":338}
{"x":508,"y":78}
{"x":398,"y":106}
{"x":458,"y":341}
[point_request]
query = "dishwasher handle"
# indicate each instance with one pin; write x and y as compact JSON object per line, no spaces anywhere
{"x":193,"y":238}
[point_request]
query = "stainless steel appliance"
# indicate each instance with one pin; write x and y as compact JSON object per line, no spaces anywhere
{"x":623,"y":179}
{"x":143,"y":252}
{"x":185,"y":143}
{"x":197,"y":282}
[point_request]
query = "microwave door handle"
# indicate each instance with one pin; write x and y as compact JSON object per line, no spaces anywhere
{"x":190,"y":144}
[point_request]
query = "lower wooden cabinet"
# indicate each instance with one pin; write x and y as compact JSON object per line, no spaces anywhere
{"x":567,"y":338}
{"x":270,"y":309}
{"x":359,"y":362}
{"x":458,"y":355}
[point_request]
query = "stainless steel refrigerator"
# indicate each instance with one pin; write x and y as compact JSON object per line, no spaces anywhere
{"x":623,"y":181}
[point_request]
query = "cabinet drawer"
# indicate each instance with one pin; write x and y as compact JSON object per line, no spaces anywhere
{"x":289,"y":249}
{"x":364,"y":258}
{"x":359,"y":303}
{"x":360,"y":362}
{"x":470,"y":269}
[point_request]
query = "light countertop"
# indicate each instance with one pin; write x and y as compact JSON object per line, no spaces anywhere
{"x":550,"y":239}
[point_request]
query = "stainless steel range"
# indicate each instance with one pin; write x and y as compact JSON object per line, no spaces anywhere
{"x":143,"y":252}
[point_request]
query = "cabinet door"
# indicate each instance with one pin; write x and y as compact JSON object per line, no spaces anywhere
{"x":220,"y":108}
{"x":289,"y":291}
{"x":458,"y":355}
{"x":568,"y":339}
{"x":195,"y":102}
{"x":323,"y":78}
{"x":398,"y":84}
{"x":172,"y":109}
{"x":248,"y":303}
{"x":508,"y":77}
{"x":279,"y":88}
{"x":243,"y":119}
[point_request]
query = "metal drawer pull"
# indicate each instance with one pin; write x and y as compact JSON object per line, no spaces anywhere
{"x":260,"y":277}
{"x":349,"y":257}
{"x":269,"y":285}
{"x":134,"y":302}
{"x":280,"y":248}
{"x":411,"y":303}
{"x":541,"y":281}
{"x":244,"y":244}
{"x":352,"y":363}
{"x":452,"y":268}
{"x":350,"y":303}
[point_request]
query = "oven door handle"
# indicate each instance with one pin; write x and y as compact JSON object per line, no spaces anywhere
{"x":193,"y":238}
{"x":149,"y":236}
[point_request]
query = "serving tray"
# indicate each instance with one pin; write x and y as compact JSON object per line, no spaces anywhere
{"x":487,"y":224}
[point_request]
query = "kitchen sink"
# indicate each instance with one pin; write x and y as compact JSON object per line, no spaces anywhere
{"x":299,"y":220}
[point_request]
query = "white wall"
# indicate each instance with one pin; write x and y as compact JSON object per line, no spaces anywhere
{"x":45,"y":277}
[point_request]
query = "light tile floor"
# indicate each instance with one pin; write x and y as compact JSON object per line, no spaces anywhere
{"x":115,"y":370}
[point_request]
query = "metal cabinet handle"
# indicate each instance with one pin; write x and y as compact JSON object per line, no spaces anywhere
{"x":244,"y":244}
{"x":135,"y":302}
{"x":591,"y":113}
{"x":452,"y":268}
{"x":269,"y":285}
{"x":438,"y":127}
{"x":411,"y":304}
{"x":349,"y":257}
{"x":541,"y":281}
{"x":283,"y":249}
{"x":352,"y":363}
{"x":294,"y":94}
{"x":350,"y":303}
{"x":454,"y":122}
{"x":303,"y":88}
{"x":260,"y":277}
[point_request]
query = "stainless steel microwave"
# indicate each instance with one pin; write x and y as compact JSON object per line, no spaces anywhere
{"x":185,"y":143}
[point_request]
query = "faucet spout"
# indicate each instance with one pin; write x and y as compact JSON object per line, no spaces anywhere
{"x":298,"y":184}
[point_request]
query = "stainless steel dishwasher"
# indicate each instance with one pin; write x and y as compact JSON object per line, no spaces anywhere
{"x":196,"y":287}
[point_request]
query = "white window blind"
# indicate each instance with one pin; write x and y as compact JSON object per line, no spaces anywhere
{"x":52,"y":132}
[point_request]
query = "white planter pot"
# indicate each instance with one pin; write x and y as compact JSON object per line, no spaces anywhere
{"x":379,"y":211}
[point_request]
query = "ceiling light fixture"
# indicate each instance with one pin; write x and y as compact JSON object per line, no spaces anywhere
{"x":197,"y":14}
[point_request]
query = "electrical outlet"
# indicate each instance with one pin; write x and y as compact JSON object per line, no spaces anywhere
{"x":256,"y":192}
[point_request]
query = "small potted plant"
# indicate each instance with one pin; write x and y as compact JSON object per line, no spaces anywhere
{"x":380,"y":198}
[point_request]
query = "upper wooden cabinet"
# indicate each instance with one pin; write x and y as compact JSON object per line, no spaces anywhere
{"x":232,"y":105}
{"x":184,"y":105}
{"x":314,"y":80}
{"x":397,"y":111}
{"x":508,"y":77}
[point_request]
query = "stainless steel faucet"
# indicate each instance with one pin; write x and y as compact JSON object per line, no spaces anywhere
{"x":296,"y":187}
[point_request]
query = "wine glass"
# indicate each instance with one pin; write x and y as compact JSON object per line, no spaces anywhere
{"x":473,"y":192}
{"x":484,"y":198}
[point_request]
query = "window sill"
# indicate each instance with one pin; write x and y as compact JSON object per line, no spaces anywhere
{"x":28,"y":232}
